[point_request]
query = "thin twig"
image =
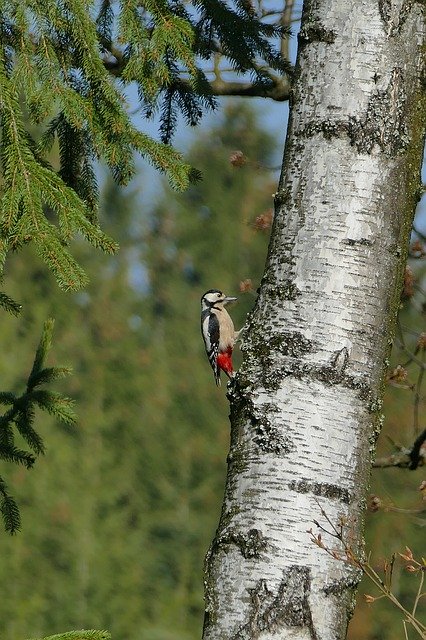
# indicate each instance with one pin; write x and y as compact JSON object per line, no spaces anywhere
{"x":419,"y":592}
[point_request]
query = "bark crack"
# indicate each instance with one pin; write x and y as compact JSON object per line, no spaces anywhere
{"x":251,"y":544}
{"x":267,"y":437}
{"x":314,"y":31}
{"x":340,"y":360}
{"x":272,"y":375}
{"x":394,"y":15}
{"x":384,"y":122}
{"x":287,"y":607}
{"x":340,"y":587}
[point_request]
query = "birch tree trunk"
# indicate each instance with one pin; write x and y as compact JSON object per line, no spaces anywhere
{"x":305,"y":407}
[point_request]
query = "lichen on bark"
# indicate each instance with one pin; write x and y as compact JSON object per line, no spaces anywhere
{"x":306,"y":404}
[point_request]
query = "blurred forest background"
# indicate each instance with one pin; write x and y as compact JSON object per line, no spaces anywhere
{"x":118,"y":515}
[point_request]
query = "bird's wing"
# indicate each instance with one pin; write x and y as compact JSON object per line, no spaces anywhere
{"x":210,"y":331}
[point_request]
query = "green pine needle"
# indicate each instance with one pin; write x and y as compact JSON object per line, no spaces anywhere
{"x":50,"y":374}
{"x":9,"y":510}
{"x":24,"y":421}
{"x":43,"y":349}
{"x":6,"y":397}
{"x":21,"y":415}
{"x":17,"y":456}
{"x":9,"y":304}
{"x":58,"y":67}
{"x":80,"y":635}
{"x":56,"y":404}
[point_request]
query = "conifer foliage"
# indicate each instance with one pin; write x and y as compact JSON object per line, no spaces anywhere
{"x":59,"y":64}
{"x":20,"y":417}
{"x":81,"y":635}
{"x":65,"y":66}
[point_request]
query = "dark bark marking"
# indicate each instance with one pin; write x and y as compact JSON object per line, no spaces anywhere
{"x":288,"y":607}
{"x":251,"y":544}
{"x":210,"y":597}
{"x":289,"y":343}
{"x":237,"y":458}
{"x":340,"y":587}
{"x":351,"y":242}
{"x":331,"y":376}
{"x":281,"y":197}
{"x":340,"y":360}
{"x":293,"y":344}
{"x":374,"y":434}
{"x":272,"y":374}
{"x":263,"y":348}
{"x":267,"y":437}
{"x":376,"y":403}
{"x":329,"y":128}
{"x":287,"y":290}
{"x":394,"y":20}
{"x":321,"y":489}
{"x":314,"y":31}
{"x":384,"y":122}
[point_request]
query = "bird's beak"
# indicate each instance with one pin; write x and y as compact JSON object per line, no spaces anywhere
{"x":228,"y":299}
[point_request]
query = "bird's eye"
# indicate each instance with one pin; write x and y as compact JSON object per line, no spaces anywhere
{"x":218,"y":295}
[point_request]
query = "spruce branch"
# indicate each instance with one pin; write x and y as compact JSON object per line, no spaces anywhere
{"x":58,"y":66}
{"x":21,"y":416}
{"x":9,"y":510}
{"x":10,"y":305}
{"x":80,"y":635}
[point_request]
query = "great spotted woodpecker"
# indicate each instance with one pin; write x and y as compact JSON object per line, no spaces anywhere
{"x":218,"y":332}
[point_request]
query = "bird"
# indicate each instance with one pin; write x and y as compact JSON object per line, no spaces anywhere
{"x":218,"y":332}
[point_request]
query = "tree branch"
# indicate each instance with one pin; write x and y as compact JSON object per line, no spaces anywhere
{"x":278,"y":89}
{"x":405,"y":458}
{"x":417,"y":458}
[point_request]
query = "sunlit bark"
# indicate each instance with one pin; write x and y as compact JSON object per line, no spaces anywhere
{"x":305,"y":407}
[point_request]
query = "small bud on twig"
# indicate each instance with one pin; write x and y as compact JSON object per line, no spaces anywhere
{"x":374,"y":504}
{"x":399,"y":374}
{"x":408,"y":555}
{"x":411,"y":569}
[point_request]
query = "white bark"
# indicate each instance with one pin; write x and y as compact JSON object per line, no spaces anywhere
{"x":305,"y":408}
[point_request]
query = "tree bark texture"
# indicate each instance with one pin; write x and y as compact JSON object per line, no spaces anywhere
{"x":306,"y":403}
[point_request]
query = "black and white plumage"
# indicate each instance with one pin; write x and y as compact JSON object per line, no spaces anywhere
{"x":218,"y":332}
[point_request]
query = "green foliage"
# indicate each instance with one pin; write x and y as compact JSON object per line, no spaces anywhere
{"x":118,"y":518}
{"x":122,"y":510}
{"x":21,"y":416}
{"x":9,"y":305}
{"x":59,"y":64}
{"x":80,"y":635}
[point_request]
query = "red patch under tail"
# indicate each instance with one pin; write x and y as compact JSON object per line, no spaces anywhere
{"x":224,"y":362}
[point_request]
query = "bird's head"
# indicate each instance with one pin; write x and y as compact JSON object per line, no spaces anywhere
{"x":215,"y":299}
